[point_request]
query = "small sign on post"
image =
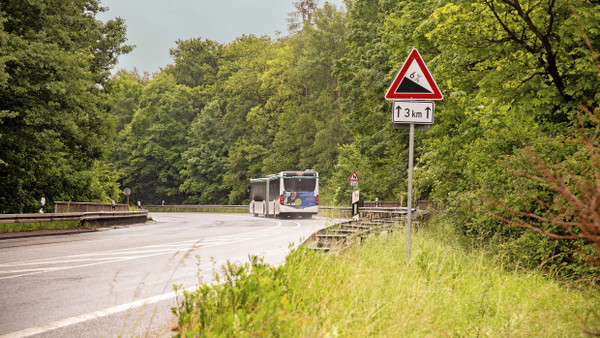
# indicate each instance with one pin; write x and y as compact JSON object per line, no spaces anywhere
{"x":127,"y":192}
{"x":413,"y":112}
{"x":355,"y":199}
{"x":353,"y":179}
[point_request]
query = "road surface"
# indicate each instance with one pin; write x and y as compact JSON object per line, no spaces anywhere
{"x":119,"y":281}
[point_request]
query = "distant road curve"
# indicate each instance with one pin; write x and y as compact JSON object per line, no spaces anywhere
{"x":120,"y":281}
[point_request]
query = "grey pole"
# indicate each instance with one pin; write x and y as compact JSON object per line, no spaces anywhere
{"x":409,"y":197}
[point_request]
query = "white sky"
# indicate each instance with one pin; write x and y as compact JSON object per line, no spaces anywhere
{"x":154,"y":26}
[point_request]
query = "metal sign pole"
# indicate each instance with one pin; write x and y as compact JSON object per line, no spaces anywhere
{"x":409,"y":197}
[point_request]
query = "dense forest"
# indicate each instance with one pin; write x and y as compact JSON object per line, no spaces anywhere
{"x":514,"y":140}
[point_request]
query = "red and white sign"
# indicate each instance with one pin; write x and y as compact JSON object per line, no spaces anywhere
{"x":353,"y":177}
{"x":414,"y":81}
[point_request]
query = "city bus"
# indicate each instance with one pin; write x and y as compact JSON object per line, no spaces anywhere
{"x":287,"y":193}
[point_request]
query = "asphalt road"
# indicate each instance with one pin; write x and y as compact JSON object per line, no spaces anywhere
{"x":119,"y":282}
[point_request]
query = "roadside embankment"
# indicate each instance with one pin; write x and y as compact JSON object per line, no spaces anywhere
{"x":369,"y":290}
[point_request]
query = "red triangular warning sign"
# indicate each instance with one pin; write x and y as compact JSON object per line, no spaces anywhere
{"x":414,"y":81}
{"x":353,"y":177}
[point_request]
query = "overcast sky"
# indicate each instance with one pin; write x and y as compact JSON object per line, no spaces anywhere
{"x":154,"y":26}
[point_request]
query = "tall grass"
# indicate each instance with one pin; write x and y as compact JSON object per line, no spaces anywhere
{"x":370,"y":291}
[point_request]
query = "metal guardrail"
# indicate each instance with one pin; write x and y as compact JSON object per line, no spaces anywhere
{"x":340,"y":236}
{"x":367,"y":210}
{"x":100,"y":217}
{"x":372,"y":210}
{"x":195,"y":206}
{"x":68,"y":207}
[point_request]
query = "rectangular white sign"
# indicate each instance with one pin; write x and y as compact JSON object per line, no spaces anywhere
{"x":412,"y":112}
{"x":355,"y":196}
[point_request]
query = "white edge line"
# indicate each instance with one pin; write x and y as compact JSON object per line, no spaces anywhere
{"x":92,"y":315}
{"x":100,"y":313}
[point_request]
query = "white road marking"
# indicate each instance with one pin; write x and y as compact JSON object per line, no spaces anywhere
{"x":92,"y":315}
{"x":177,"y":246}
{"x":38,"y":266}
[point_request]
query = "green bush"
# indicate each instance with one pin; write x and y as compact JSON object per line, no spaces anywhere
{"x":248,"y":299}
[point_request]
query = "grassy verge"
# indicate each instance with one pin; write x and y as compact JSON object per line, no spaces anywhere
{"x":370,"y":291}
{"x":35,"y":226}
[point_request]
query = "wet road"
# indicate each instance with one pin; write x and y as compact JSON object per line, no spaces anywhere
{"x":120,"y":281}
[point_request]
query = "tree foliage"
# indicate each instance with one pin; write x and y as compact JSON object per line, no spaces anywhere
{"x":259,"y":106}
{"x":55,"y":59}
{"x":516,"y":73}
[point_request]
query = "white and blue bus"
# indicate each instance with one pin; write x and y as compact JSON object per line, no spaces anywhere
{"x":287,"y":193}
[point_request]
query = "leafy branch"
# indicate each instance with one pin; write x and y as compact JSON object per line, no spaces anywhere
{"x":575,"y":206}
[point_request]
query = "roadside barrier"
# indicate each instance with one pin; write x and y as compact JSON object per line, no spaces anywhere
{"x":364,"y":210}
{"x":194,"y":206}
{"x":374,"y":220}
{"x":100,"y":218}
{"x":67,"y":207}
{"x":340,"y":236}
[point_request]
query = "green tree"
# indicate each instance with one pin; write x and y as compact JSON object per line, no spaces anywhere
{"x":156,"y":139}
{"x":206,"y":158}
{"x":197,"y":62}
{"x":302,"y":15}
{"x":366,"y":71}
{"x":514,"y":72}
{"x":310,"y":127}
{"x":55,"y":58}
{"x":247,"y":120}
{"x":125,"y":90}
